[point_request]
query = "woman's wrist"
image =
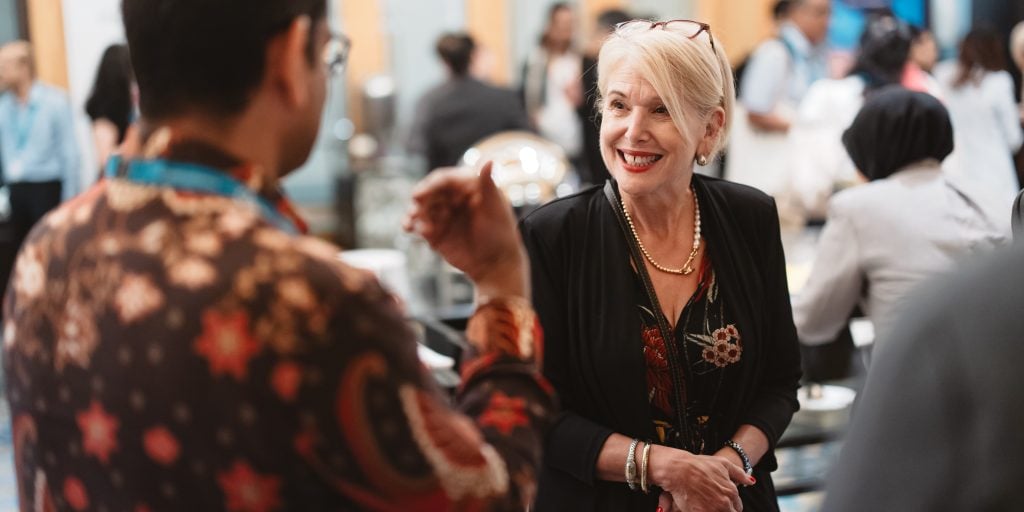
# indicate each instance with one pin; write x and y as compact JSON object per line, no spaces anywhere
{"x":744,"y":459}
{"x":663,"y":462}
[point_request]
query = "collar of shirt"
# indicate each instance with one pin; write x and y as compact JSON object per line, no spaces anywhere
{"x":798,"y":41}
{"x":35,"y":93}
{"x":204,"y":154}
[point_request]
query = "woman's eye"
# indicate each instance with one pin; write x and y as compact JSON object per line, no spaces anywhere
{"x":616,"y":105}
{"x":662,"y":110}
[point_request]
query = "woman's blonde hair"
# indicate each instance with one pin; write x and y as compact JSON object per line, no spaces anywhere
{"x":690,"y":74}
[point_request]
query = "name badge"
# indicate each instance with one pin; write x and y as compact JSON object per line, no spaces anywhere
{"x":16,"y":170}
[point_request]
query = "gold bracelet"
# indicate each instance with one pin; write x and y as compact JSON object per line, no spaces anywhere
{"x":643,"y":467}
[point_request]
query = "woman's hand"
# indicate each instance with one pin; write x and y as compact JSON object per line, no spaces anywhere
{"x":666,"y":504}
{"x":466,"y":219}
{"x":698,"y":483}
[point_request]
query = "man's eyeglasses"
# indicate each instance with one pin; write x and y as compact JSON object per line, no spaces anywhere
{"x":335,"y":53}
{"x":688,"y":28}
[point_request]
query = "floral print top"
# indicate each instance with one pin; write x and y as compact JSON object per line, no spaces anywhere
{"x":708,"y":345}
{"x":172,"y":351}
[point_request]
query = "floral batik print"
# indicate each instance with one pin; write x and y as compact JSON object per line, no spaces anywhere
{"x":706,"y":343}
{"x":169,"y":351}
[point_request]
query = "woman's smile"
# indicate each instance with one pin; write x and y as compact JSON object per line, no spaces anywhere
{"x":637,"y":161}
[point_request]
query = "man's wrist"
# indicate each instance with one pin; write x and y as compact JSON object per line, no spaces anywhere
{"x":504,"y":279}
{"x":506,"y":325}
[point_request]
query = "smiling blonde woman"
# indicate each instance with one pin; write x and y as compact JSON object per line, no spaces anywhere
{"x":663,"y":298}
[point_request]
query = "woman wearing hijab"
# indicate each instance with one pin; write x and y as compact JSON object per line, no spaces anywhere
{"x":909,"y":223}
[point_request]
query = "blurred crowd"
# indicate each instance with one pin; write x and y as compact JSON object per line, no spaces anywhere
{"x":910,"y":164}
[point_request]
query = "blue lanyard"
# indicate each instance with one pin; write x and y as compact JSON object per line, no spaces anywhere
{"x":24,"y":119}
{"x":195,"y":178}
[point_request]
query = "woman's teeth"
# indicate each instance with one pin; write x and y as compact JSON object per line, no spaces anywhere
{"x":640,"y":161}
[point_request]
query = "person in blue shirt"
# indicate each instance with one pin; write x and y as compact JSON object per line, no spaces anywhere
{"x":38,"y":150}
{"x":774,"y":82}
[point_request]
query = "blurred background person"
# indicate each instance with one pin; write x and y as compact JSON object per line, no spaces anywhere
{"x":592,"y":168}
{"x":978,"y":91}
{"x":911,"y":221}
{"x":819,"y":164}
{"x":924,"y":53}
{"x":775,"y":80}
{"x":551,"y":85}
{"x":1017,"y":53}
{"x":111,"y":104}
{"x":937,"y":426}
{"x":37,"y":143}
{"x":463,"y":110}
{"x":780,"y":15}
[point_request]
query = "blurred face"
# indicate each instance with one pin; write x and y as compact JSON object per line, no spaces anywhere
{"x":812,"y":18}
{"x":640,"y":143}
{"x":561,"y":28}
{"x":13,"y":69}
{"x":306,"y":120}
{"x":924,"y":52}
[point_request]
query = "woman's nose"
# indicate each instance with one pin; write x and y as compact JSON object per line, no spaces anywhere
{"x":636,"y":126}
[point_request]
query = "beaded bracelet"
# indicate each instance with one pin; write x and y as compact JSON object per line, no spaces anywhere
{"x":747,"y":468}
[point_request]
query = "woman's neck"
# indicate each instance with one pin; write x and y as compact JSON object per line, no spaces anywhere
{"x":661,"y":212}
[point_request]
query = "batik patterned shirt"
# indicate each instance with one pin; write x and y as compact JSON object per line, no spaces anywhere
{"x":170,"y":351}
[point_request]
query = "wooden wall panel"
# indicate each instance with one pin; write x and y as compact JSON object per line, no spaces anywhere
{"x":46,"y":29}
{"x":362,"y":22}
{"x":488,"y":22}
{"x":739,"y":24}
{"x":590,"y":9}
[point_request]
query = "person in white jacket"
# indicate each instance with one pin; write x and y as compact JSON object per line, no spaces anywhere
{"x":911,"y":222}
{"x":986,"y":120}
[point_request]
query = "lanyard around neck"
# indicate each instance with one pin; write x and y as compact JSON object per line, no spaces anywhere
{"x":25,"y":117}
{"x":195,"y":178}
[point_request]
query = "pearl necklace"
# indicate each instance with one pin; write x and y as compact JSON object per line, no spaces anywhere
{"x":687,"y":267}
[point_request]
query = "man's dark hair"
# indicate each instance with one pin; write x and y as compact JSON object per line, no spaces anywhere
{"x":111,"y":96}
{"x":781,"y":9}
{"x":610,"y":18}
{"x":456,"y":50}
{"x":884,"y":50}
{"x":207,"y":55}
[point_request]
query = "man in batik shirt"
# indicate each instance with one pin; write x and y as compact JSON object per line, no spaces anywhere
{"x":173,"y":342}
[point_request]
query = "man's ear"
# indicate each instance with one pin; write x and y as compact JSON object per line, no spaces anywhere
{"x":288,"y":66}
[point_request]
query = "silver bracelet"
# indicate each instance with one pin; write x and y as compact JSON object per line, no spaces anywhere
{"x":631,"y":465}
{"x":643,"y":467}
{"x":747,"y":468}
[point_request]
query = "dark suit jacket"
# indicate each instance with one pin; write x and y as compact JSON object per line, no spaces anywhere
{"x":938,"y":425}
{"x":583,"y":293}
{"x":459,"y":113}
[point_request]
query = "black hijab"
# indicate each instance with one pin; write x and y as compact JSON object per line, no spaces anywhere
{"x":897,"y":127}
